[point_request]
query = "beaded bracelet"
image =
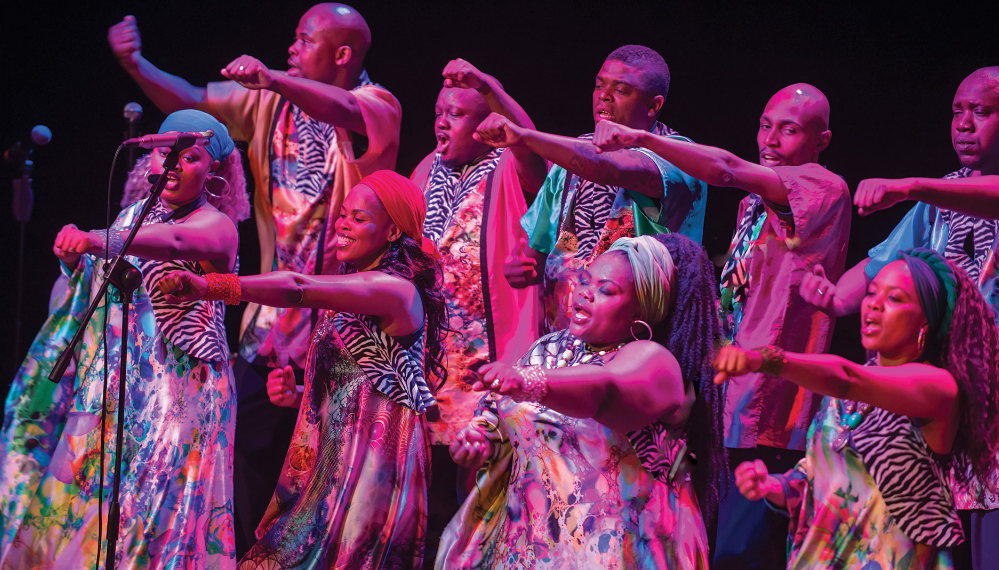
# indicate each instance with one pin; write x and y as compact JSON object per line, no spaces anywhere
{"x":114,"y":241}
{"x":535,"y":386}
{"x":223,"y":287}
{"x":773,"y":360}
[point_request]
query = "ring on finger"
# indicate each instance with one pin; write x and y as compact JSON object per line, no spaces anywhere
{"x":242,"y":67}
{"x":820,"y":291}
{"x":495,"y":385}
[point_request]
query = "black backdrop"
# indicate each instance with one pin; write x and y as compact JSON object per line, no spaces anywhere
{"x":889,"y":72}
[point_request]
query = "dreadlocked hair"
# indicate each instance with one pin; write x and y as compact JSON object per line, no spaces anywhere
{"x":692,"y":332}
{"x":405,"y":258}
{"x":968,"y":351}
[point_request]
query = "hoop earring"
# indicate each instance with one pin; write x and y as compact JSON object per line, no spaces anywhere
{"x":921,"y":341}
{"x":217,"y":194}
{"x":645,"y":324}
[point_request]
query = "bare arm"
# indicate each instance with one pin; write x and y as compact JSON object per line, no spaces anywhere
{"x":627,"y":168}
{"x":839,"y":299}
{"x":976,"y":196}
{"x":208,"y":235}
{"x":636,"y":388}
{"x":913,"y":389}
{"x":168,"y":92}
{"x":327,"y":103}
{"x":531,"y":168}
{"x":715,"y":166}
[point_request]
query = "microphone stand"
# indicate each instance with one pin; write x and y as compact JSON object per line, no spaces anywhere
{"x":126,"y":278}
{"x":23,"y":201}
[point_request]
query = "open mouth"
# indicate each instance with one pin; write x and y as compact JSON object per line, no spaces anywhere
{"x":443,"y":142}
{"x":172,"y":181}
{"x":769,"y":159}
{"x":605,"y":114}
{"x":870,"y":326}
{"x":579,"y":314}
{"x":344,"y":241}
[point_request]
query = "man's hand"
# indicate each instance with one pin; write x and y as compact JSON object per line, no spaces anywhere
{"x":471,"y":448}
{"x":876,"y":194}
{"x":498,"y":131}
{"x":733,"y":361}
{"x":755,"y":482}
{"x":818,"y":290}
{"x":609,"y":136}
{"x":125,"y":42}
{"x":519,"y":268}
{"x":281,"y":387}
{"x":249,"y":72}
{"x":460,"y":74}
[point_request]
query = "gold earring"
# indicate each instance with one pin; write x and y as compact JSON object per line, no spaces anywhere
{"x":921,"y":341}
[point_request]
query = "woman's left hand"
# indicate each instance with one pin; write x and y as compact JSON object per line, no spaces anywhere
{"x":183,"y":286}
{"x":500,"y":378}
{"x":733,"y":361}
{"x":249,"y":72}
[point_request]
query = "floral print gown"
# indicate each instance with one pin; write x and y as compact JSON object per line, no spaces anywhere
{"x":176,"y":483}
{"x":569,"y":493}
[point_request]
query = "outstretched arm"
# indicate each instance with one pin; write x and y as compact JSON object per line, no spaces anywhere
{"x":207,"y":235}
{"x":531,"y":168}
{"x":626,"y":168}
{"x":168,"y":92}
{"x":394,"y":299}
{"x":327,"y":103}
{"x":913,"y":389}
{"x":715,"y":166}
{"x":637,"y":387}
{"x":976,"y":196}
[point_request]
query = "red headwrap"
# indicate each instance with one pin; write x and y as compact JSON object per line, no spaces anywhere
{"x":404,"y":203}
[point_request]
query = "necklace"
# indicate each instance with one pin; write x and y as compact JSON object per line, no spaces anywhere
{"x":567,"y":355}
{"x":852,"y":417}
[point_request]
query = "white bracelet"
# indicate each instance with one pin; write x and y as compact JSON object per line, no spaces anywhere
{"x":114,"y":241}
{"x":535,"y":386}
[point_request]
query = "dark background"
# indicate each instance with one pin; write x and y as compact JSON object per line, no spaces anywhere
{"x":890,"y":73}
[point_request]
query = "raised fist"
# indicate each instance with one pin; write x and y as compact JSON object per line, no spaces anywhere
{"x":125,"y":41}
{"x":249,"y":72}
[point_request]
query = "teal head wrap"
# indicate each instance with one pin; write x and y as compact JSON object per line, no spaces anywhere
{"x":219,"y":146}
{"x":935,"y":287}
{"x":653,"y":270}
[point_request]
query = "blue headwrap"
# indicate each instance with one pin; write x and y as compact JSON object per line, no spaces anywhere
{"x":219,"y":146}
{"x":935,"y":287}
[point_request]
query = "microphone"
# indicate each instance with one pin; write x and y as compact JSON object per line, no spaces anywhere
{"x":133,"y":112}
{"x":178,"y":141}
{"x":21,"y":150}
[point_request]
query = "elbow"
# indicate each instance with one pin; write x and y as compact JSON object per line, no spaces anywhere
{"x":294,"y":295}
{"x":721,"y":172}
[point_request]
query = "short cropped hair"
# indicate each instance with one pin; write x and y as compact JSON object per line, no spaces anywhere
{"x":655,"y":72}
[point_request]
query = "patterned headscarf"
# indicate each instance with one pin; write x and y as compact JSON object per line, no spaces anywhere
{"x":404,"y":203}
{"x":219,"y":146}
{"x":935,"y":286}
{"x":654,"y":272}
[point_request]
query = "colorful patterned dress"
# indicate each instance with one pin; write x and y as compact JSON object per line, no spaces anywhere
{"x":176,"y":486}
{"x":568,"y":493}
{"x":840,"y":518}
{"x":353,"y":489}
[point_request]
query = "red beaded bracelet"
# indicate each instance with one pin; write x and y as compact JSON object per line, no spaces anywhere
{"x":223,"y":287}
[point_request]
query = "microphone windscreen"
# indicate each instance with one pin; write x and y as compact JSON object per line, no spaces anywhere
{"x":41,"y":135}
{"x":133,"y":111}
{"x":152,"y":178}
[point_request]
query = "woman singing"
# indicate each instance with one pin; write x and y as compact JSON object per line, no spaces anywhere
{"x":588,"y":443}
{"x":872,"y":490}
{"x":176,"y":508}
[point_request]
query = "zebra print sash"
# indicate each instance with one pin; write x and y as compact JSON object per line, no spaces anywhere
{"x":910,"y":480}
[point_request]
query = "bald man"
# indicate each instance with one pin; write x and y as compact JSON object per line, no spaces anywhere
{"x":796,"y":216}
{"x":313,"y":132}
{"x":957,"y":216}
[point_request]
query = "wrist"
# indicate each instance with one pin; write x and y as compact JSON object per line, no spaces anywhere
{"x":913,"y":189}
{"x":131,"y":62}
{"x":488,"y":86}
{"x":772,"y":360}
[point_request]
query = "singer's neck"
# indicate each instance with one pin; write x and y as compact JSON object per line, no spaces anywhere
{"x":175,"y":205}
